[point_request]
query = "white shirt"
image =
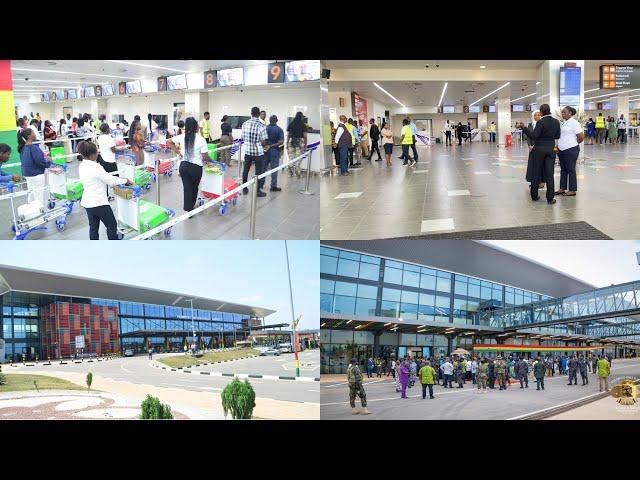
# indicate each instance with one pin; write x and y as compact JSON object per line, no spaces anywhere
{"x":105,"y":142}
{"x":64,"y":129}
{"x":199,"y":147}
{"x":447,"y":127}
{"x":447,"y":368}
{"x":474,"y":366}
{"x":95,"y":181}
{"x":568,"y":131}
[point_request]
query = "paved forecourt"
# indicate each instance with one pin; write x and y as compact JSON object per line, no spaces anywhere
{"x":461,"y":404}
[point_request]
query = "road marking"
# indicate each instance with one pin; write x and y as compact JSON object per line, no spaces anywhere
{"x":399,"y":398}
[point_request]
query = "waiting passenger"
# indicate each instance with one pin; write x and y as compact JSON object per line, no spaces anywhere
{"x":33,"y":165}
{"x":5,"y":153}
{"x":94,"y":197}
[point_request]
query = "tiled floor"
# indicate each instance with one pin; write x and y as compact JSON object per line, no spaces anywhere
{"x":281,"y":215}
{"x":478,"y":186}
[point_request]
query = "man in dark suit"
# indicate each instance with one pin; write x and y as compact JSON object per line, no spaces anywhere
{"x":532,"y":125}
{"x":543,"y":154}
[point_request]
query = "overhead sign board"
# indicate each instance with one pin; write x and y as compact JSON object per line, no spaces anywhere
{"x":619,"y":76}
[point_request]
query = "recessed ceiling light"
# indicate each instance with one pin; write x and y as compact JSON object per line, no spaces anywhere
{"x":66,"y":72}
{"x":389,"y":94}
{"x":483,"y":66}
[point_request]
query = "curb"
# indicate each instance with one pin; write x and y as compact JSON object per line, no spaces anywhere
{"x":565,"y":407}
{"x":238,"y":375}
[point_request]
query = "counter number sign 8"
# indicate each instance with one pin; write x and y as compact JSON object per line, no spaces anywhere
{"x":210,"y":79}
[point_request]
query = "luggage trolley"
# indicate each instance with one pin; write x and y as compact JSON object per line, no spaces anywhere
{"x":137,"y":174}
{"x":135,"y":214}
{"x":30,"y":216}
{"x":165,"y":167}
{"x":62,"y":188}
{"x":214,"y":184}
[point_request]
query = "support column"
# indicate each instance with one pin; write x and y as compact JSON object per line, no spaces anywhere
{"x":622,"y":107}
{"x":326,"y":160}
{"x":483,"y":122}
{"x":8,"y":118}
{"x":503,"y":108}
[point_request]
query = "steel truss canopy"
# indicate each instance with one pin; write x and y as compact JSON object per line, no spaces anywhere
{"x":51,"y":283}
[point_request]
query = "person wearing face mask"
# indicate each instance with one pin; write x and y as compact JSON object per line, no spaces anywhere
{"x":544,"y":137}
{"x":571,"y":136}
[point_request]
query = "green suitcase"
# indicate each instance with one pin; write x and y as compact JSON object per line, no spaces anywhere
{"x":57,"y":155}
{"x":151,"y":215}
{"x":213,"y":151}
{"x":74,"y":191}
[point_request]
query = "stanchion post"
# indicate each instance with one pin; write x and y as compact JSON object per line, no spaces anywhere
{"x":157,"y":163}
{"x":239,"y":160}
{"x":254,"y":198}
{"x":306,"y":190}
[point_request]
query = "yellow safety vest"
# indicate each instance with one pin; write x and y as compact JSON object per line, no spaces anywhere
{"x":600,"y":122}
{"x":204,"y":124}
{"x":408,"y":137}
{"x":353,"y":137}
{"x":492,"y":127}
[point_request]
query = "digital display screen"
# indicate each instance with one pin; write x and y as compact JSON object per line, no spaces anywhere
{"x":72,"y":94}
{"x":46,"y":97}
{"x":606,"y":106}
{"x":492,"y":109}
{"x":517,"y":107}
{"x":474,"y":109}
{"x":59,"y":94}
{"x":232,"y":77}
{"x":89,"y":92}
{"x":570,"y":82}
{"x":107,"y":89}
{"x":134,"y":87}
{"x":448,"y":109}
{"x":177,"y":82}
{"x":302,"y":71}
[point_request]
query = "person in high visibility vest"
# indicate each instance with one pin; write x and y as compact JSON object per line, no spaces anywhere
{"x":205,"y":127}
{"x":492,"y":132}
{"x":601,"y":128}
{"x":406,"y":140}
{"x":351,"y":131}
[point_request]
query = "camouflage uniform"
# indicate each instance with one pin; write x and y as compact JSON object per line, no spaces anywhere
{"x":573,"y":371}
{"x":483,"y":373}
{"x":501,"y":372}
{"x":582,"y":366}
{"x":354,"y":377}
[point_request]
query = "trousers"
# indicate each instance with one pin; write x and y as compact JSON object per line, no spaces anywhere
{"x":357,"y":390}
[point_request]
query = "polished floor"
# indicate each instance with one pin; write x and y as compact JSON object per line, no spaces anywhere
{"x":280,"y":215}
{"x":474,"y":187}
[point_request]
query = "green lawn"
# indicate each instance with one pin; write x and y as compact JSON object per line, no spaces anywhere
{"x":19,"y":382}
{"x":183,"y":361}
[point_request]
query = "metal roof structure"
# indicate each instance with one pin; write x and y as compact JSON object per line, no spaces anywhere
{"x":51,"y":283}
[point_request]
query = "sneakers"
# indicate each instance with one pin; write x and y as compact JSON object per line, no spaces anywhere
{"x":275,"y":189}
{"x":261,"y":194}
{"x":413,"y":163}
{"x":405,"y":163}
{"x":245,"y":191}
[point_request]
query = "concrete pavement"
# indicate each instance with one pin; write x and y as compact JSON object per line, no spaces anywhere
{"x":462,"y":404}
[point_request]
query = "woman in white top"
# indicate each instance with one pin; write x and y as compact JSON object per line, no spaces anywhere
{"x":193,"y":151}
{"x":387,"y":142}
{"x":94,"y":197}
{"x":571,"y":135}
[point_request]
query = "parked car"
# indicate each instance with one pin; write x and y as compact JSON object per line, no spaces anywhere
{"x":128,"y":352}
{"x":270,"y":351}
{"x":286,"y":348}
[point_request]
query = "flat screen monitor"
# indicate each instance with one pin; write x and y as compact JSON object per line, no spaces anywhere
{"x":570,"y":83}
{"x":134,"y":87}
{"x":177,"y":82}
{"x":606,"y":106}
{"x":302,"y":71}
{"x":310,"y":128}
{"x":46,"y":97}
{"x":232,"y":77}
{"x":474,"y":109}
{"x":89,"y":92}
{"x":72,"y":94}
{"x":518,"y":107}
{"x":59,"y":94}
{"x":236,"y":121}
{"x":448,"y":109}
{"x":107,"y":89}
{"x":492,"y":109}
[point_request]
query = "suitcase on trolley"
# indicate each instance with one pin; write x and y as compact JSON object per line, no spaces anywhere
{"x":229,"y":184}
{"x":57,"y":155}
{"x":74,"y":191}
{"x":29,"y":211}
{"x":164,"y":167}
{"x":151,"y":215}
{"x":141,"y":177}
{"x":213,"y":151}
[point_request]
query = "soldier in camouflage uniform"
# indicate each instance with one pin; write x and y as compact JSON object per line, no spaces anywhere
{"x":483,"y":374}
{"x":354,"y":377}
{"x":573,"y":370}
{"x":582,"y":366}
{"x":500,"y":368}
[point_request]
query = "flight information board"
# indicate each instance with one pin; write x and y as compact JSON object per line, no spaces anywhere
{"x":570,"y":83}
{"x":619,"y":76}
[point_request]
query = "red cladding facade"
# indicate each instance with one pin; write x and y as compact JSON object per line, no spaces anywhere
{"x":62,"y":322}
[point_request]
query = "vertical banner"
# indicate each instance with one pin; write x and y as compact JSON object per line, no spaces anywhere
{"x":8,"y":118}
{"x":359,"y":108}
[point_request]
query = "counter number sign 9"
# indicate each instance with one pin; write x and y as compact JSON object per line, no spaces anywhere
{"x":276,"y":72}
{"x":210,"y":79}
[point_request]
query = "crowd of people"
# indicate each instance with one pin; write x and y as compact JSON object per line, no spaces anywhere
{"x":481,"y":372}
{"x":98,"y":141}
{"x":609,"y":130}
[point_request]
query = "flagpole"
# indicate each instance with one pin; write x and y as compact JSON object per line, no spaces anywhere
{"x":293,"y":315}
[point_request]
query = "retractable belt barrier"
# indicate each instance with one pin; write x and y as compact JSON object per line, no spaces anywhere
{"x":253,"y":181}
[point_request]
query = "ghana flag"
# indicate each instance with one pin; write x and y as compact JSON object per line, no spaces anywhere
{"x":8,"y":131}
{"x":506,"y":347}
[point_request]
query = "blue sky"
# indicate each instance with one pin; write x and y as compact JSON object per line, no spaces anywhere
{"x":249,"y":272}
{"x":598,"y":262}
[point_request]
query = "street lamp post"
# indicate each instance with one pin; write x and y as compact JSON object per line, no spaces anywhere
{"x":193,"y":325}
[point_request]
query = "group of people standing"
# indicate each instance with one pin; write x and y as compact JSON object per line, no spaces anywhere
{"x":601,"y":130}
{"x":480,"y":371}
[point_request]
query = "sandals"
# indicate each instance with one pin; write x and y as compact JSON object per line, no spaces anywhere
{"x":560,"y":192}
{"x":570,"y":194}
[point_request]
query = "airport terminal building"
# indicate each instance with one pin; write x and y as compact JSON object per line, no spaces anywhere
{"x":44,"y":312}
{"x":391,"y":298}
